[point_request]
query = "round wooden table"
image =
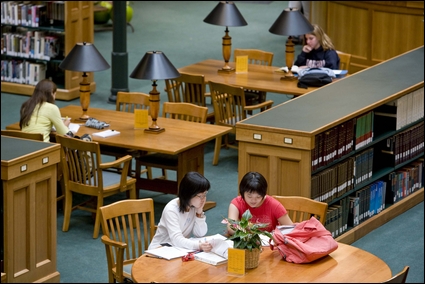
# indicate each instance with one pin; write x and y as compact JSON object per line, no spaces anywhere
{"x":346,"y":264}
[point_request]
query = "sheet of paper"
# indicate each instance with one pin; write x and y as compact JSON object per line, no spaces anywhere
{"x":168,"y":253}
{"x":106,"y":133}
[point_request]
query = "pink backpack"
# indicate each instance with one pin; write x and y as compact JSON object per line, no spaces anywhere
{"x":308,"y":241}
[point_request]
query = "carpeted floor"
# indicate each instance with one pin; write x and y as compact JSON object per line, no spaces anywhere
{"x":177,"y":29}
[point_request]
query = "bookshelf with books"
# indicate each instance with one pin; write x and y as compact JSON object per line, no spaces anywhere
{"x":365,"y":154}
{"x":33,"y":47}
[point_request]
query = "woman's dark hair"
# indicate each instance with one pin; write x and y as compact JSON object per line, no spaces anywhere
{"x":43,"y":92}
{"x":191,"y":184}
{"x":253,"y":182}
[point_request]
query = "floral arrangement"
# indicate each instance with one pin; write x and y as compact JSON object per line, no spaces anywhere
{"x":247,"y":234}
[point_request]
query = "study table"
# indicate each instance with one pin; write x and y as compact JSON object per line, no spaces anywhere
{"x":346,"y":264}
{"x":182,"y":138}
{"x":258,"y":77}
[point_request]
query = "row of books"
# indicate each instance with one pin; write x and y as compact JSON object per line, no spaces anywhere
{"x":22,"y":72}
{"x":33,"y":14}
{"x":364,"y":130}
{"x":337,"y":218}
{"x":360,"y":131}
{"x":372,"y":199}
{"x":408,"y":144}
{"x":333,"y":144}
{"x":32,"y":44}
{"x":406,"y":180}
{"x":336,"y":180}
{"x":410,"y":108}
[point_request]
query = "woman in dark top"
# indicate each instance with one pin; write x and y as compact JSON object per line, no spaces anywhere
{"x":318,"y":51}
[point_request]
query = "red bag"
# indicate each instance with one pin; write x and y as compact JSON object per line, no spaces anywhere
{"x":307,"y":242}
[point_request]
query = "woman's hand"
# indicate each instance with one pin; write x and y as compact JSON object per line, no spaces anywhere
{"x":67,"y":121}
{"x":206,"y":247}
{"x":307,"y":48}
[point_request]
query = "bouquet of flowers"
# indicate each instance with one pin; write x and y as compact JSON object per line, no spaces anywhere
{"x":247,"y":234}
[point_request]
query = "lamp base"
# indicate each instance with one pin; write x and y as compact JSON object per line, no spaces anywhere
{"x":289,"y":78}
{"x":223,"y":70}
{"x":84,"y":117}
{"x":154,"y":131}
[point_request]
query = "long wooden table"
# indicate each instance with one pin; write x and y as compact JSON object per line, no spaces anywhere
{"x":258,"y":77}
{"x":346,"y":264}
{"x":182,"y":138}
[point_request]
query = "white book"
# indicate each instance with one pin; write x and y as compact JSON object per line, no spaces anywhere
{"x":106,"y":133}
{"x":210,"y":258}
{"x":168,"y":252}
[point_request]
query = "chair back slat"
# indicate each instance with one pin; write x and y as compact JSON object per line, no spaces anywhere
{"x":302,"y":208}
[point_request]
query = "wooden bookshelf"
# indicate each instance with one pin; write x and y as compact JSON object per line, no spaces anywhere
{"x":78,"y":27}
{"x":278,"y":143}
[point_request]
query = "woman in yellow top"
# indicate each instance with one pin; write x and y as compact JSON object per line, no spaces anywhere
{"x":39,"y":113}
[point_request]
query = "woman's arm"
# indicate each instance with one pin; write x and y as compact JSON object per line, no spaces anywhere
{"x":331,"y":60}
{"x":232,"y":214}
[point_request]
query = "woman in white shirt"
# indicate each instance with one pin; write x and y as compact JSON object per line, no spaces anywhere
{"x":183,"y":217}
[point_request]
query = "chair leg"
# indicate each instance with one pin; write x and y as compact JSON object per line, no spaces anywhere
{"x":217,"y":150}
{"x":67,"y":211}
{"x":97,"y":220}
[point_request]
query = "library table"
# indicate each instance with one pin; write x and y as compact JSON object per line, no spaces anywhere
{"x":346,"y":264}
{"x":258,"y":77}
{"x":182,"y":138}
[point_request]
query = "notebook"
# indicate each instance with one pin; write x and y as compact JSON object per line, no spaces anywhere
{"x":168,"y":252}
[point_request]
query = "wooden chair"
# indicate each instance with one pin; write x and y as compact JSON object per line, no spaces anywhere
{"x":128,"y":227}
{"x":182,"y":111}
{"x":128,"y":102}
{"x":39,"y":137}
{"x":189,"y":88}
{"x":302,"y":208}
{"x":84,"y":173}
{"x":230,"y":108}
{"x":259,"y":57}
{"x":344,"y":60}
{"x":399,"y":277}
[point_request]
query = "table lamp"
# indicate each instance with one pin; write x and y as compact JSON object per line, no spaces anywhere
{"x":226,"y":14}
{"x":84,"y":57}
{"x":290,"y":22}
{"x":154,"y":66}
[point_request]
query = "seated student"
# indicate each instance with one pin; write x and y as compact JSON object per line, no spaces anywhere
{"x":39,"y":113}
{"x":263,"y":207}
{"x":183,"y":217}
{"x":318,"y":51}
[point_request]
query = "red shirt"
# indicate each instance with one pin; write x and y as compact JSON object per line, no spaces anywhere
{"x":269,"y":212}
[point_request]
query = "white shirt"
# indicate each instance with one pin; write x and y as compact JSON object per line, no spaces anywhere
{"x":176,"y":228}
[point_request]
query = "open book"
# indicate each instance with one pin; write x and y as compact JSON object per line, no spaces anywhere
{"x":218,"y":254}
{"x":168,"y":252}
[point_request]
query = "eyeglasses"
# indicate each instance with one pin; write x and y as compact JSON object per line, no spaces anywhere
{"x":202,"y":196}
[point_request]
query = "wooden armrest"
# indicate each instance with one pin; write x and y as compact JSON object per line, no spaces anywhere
{"x":117,"y":162}
{"x":266,"y":105}
{"x":107,"y":241}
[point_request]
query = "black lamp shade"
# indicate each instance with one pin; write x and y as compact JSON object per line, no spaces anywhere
{"x":226,"y":14}
{"x":291,"y":22}
{"x":84,"y":57}
{"x":155,"y":66}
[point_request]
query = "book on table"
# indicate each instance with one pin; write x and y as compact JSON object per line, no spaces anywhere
{"x":168,"y":252}
{"x":219,"y":253}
